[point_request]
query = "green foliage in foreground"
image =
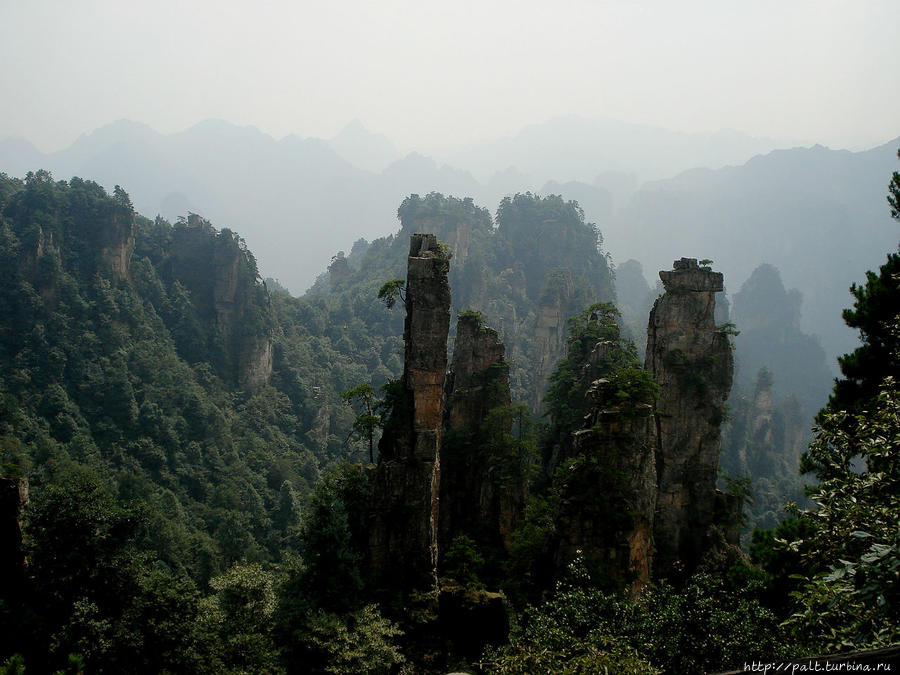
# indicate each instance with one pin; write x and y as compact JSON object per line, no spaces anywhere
{"x":847,"y":547}
{"x":855,"y":603}
{"x":178,"y":524}
{"x":715,"y":622}
{"x":96,"y":589}
{"x":359,"y":642}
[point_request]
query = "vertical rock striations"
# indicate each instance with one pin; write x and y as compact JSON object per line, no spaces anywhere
{"x":225,"y":289}
{"x":116,"y":235}
{"x":606,"y":476}
{"x":692,"y":362}
{"x":482,"y":484}
{"x":403,"y":536}
{"x":550,"y":345}
{"x":479,"y":379}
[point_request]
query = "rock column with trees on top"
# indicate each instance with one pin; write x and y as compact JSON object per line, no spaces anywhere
{"x":692,"y":361}
{"x":482,"y":481}
{"x":403,"y":535}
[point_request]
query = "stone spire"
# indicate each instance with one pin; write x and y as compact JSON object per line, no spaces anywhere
{"x":692,"y":362}
{"x":482,"y":481}
{"x":403,"y":536}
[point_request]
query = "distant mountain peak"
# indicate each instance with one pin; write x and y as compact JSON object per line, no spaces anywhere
{"x":367,"y":150}
{"x":355,"y":128}
{"x":121,"y":129}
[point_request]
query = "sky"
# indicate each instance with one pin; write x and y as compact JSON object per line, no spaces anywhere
{"x":434,"y":75}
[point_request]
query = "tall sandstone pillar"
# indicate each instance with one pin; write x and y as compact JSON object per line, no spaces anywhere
{"x":607,"y":503}
{"x":482,"y":485}
{"x":403,"y":537}
{"x":693,"y":364}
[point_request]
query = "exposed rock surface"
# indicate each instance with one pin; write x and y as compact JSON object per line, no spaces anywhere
{"x":550,"y":345}
{"x":112,"y":241}
{"x":338,"y":270}
{"x":453,"y":222}
{"x":608,"y":498}
{"x":482,"y":486}
{"x":775,"y":432}
{"x":477,"y":381}
{"x":117,"y":242}
{"x":222,"y":278}
{"x":30,"y":256}
{"x":403,"y":535}
{"x":692,"y":362}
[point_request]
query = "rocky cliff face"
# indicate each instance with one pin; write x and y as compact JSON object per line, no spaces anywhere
{"x":31,"y":255}
{"x":608,"y":496}
{"x":766,"y":437}
{"x":403,"y":534}
{"x":455,"y":222}
{"x":692,"y":362}
{"x":117,"y":242}
{"x":110,"y":245}
{"x":482,"y":486}
{"x":338,"y":270}
{"x":225,"y":289}
{"x":477,"y":380}
{"x":550,"y":345}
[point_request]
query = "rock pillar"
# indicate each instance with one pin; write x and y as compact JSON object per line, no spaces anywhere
{"x":403,"y":536}
{"x":692,"y":362}
{"x":608,"y":499}
{"x":482,"y":481}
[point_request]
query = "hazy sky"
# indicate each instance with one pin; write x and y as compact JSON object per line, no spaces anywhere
{"x":433,"y":74}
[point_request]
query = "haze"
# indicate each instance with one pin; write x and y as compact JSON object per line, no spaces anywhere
{"x":434,"y":76}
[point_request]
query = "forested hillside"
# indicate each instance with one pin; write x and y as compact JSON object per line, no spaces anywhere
{"x":156,"y":393}
{"x":189,"y":480}
{"x":526,"y":291}
{"x":810,"y":211}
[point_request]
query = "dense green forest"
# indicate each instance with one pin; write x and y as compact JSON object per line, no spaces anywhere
{"x":190,"y":446}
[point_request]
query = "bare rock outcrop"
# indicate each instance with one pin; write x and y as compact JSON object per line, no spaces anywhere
{"x":608,"y":498}
{"x":482,"y":484}
{"x":479,"y":378}
{"x":692,"y":362}
{"x":403,"y":543}
{"x":225,"y":288}
{"x":112,"y":241}
{"x":117,"y":242}
{"x":550,"y":344}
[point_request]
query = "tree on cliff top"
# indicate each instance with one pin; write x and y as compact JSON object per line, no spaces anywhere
{"x":566,"y":396}
{"x":566,"y":241}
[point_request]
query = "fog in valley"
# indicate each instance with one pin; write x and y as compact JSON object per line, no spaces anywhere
{"x":745,"y":135}
{"x":566,"y":153}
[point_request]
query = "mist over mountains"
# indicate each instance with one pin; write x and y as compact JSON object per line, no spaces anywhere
{"x":578,"y":148}
{"x":817,"y":214}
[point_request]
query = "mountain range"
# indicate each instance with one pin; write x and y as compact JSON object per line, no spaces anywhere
{"x":817,"y":214}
